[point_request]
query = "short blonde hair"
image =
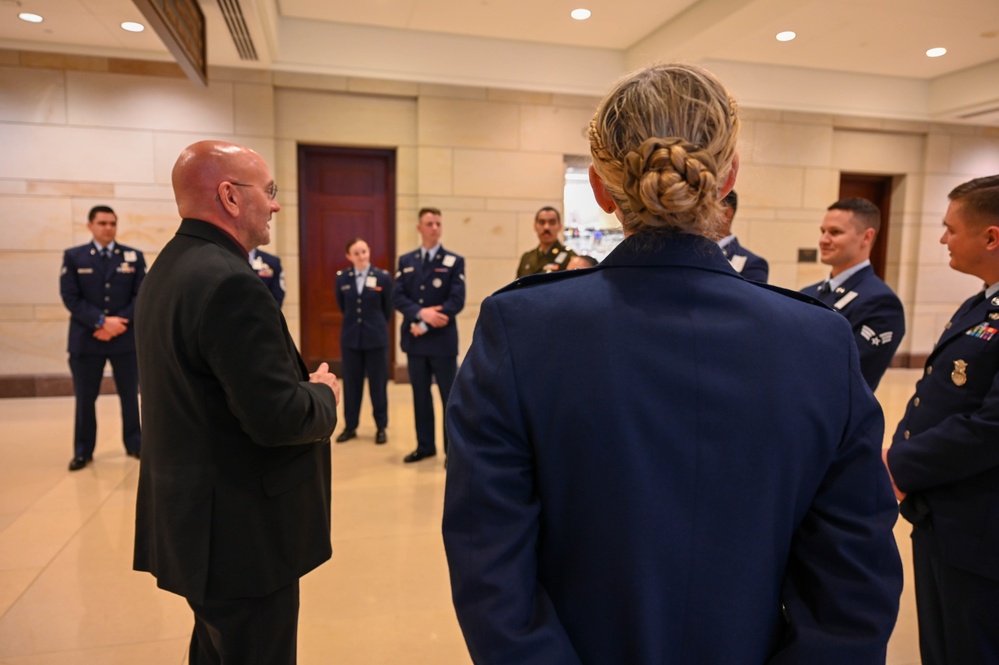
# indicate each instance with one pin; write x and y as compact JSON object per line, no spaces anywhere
{"x":663,"y":142}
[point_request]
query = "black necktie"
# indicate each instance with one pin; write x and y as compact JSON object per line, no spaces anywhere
{"x":426,"y":259}
{"x":824,"y":287}
{"x":105,"y":254}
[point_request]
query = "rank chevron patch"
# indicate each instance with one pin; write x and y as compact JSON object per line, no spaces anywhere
{"x":874,"y":338}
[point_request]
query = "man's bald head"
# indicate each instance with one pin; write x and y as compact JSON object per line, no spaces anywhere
{"x":207,"y":179}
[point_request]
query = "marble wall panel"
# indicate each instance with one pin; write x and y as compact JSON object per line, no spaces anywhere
{"x":555,"y":129}
{"x":508,"y":174}
{"x":872,"y":152}
{"x":84,"y":154}
{"x":791,"y":144}
{"x":344,"y":119}
{"x":34,"y":222}
{"x":466,"y":123}
{"x":142,"y":102}
{"x":32,"y":95}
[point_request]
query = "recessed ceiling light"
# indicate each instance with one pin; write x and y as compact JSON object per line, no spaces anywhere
{"x":30,"y":18}
{"x":786,"y":36}
{"x":580,"y":14}
{"x":936,"y":52}
{"x":132,"y":26}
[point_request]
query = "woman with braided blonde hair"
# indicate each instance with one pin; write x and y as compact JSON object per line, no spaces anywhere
{"x":665,"y":170}
{"x":709,"y":489}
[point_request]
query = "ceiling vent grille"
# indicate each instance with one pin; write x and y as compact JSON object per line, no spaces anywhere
{"x":233,"y":14}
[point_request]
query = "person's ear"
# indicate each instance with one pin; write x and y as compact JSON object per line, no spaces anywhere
{"x":604,"y":200}
{"x":729,"y":183}
{"x":992,"y":238}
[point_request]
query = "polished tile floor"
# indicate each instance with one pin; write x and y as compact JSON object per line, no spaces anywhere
{"x":68,"y":594}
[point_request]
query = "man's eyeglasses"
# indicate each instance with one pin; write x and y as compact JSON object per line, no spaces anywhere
{"x":271,"y":189}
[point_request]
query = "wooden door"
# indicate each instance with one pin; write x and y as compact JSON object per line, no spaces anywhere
{"x":877,"y":190}
{"x":343,"y":193}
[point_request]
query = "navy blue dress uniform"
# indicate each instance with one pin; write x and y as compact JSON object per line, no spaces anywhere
{"x":875,"y":314}
{"x":749,"y":265}
{"x":433,"y":355}
{"x":364,"y":341}
{"x":93,"y":287}
{"x":945,"y":456}
{"x":268,"y":267}
{"x":661,"y":507}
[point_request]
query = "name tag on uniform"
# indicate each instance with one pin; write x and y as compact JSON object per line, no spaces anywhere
{"x":449,"y":260}
{"x":561,"y":258}
{"x":845,"y":300}
{"x":738,"y":262}
{"x":345,"y":287}
{"x":371,"y":282}
{"x":84,"y":271}
{"x":131,"y":256}
{"x":408,"y":269}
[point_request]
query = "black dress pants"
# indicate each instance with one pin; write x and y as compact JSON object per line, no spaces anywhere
{"x":246,"y":631}
{"x":956,"y":609}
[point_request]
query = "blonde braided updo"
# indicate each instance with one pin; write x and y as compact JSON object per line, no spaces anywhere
{"x":662,"y":143}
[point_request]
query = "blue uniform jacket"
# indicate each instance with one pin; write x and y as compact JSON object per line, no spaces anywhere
{"x":754,"y":266}
{"x":945,"y":452}
{"x":442,"y":283}
{"x":365,"y":314}
{"x":268,"y":267}
{"x":92,"y":288}
{"x":876,"y":316}
{"x":692,"y":494}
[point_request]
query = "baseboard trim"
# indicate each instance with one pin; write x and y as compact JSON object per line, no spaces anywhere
{"x":45,"y":385}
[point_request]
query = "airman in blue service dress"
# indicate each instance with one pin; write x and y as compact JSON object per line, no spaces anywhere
{"x":434,"y":354}
{"x":875,"y":314}
{"x":945,"y":456}
{"x":268,"y":267}
{"x":93,"y":287}
{"x":757,"y":511}
{"x":364,"y":344}
{"x":746,"y":263}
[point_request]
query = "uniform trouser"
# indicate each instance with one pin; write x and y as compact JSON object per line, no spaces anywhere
{"x":88,"y":372}
{"x":956,"y":609}
{"x":356,"y":364}
{"x":246,"y":631}
{"x":422,"y":370}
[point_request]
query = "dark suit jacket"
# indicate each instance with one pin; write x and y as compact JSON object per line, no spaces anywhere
{"x":754,"y":266}
{"x":365,"y":314}
{"x":84,"y":283}
{"x":662,"y":504}
{"x":269,"y":269}
{"x":876,"y":316}
{"x":945,"y":452}
{"x":442,"y":283}
{"x":234,"y":485}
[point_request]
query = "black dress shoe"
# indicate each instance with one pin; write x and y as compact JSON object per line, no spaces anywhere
{"x":380,"y":437}
{"x":346,"y":435}
{"x":416,"y":456}
{"x":78,"y":463}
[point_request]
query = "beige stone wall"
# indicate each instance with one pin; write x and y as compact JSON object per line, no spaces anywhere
{"x":75,"y":134}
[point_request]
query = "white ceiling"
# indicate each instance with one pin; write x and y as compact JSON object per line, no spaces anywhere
{"x":844,"y":47}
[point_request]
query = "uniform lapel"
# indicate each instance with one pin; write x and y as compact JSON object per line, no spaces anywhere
{"x":972,"y":312}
